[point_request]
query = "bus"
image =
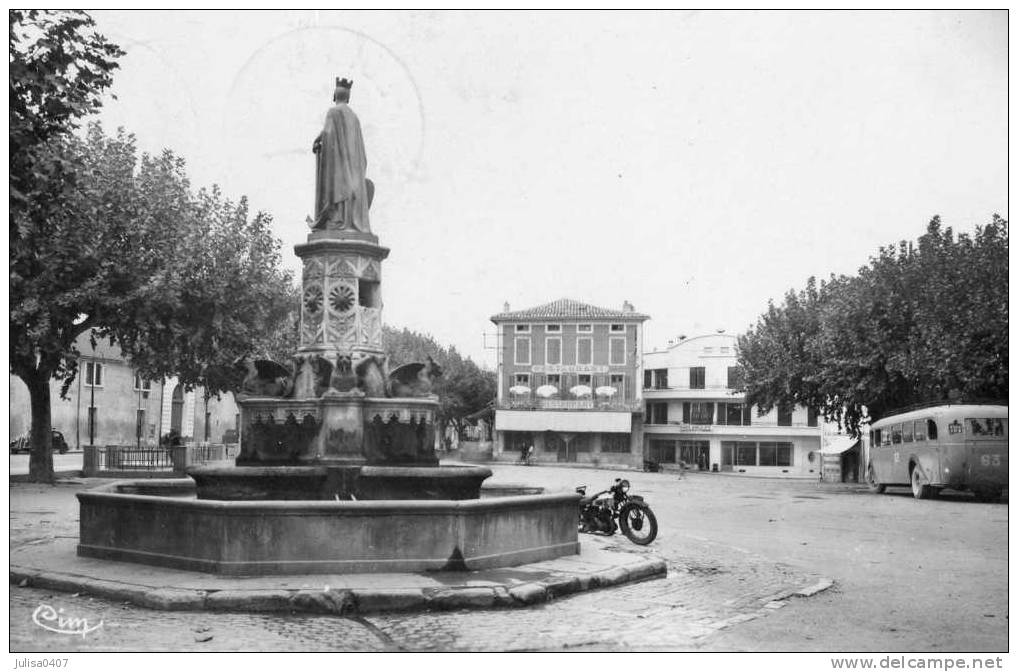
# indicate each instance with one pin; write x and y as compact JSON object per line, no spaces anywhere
{"x":957,"y":446}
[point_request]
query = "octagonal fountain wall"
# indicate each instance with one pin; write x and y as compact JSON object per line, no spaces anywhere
{"x":161,"y":523}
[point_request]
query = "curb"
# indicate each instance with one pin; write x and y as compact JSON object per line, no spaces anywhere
{"x":773,"y":602}
{"x":341,"y":601}
{"x":57,"y":476}
{"x":818,"y":587}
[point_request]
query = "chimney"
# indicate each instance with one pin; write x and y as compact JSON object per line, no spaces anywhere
{"x":682,"y":337}
{"x":505,"y":307}
{"x":721,"y":331}
{"x":627,"y":307}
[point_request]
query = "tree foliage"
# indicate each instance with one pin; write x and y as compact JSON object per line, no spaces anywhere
{"x":59,"y":68}
{"x":463,"y":389}
{"x":924,"y":321}
{"x":103,"y":240}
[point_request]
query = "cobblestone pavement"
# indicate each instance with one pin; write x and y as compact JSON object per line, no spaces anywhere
{"x":678,"y":612}
{"x":128,"y":628}
{"x":698,"y":598}
{"x":711,"y":586}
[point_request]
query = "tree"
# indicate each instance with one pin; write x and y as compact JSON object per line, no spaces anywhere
{"x":184,"y":282}
{"x":923,"y":322}
{"x":463,"y":389}
{"x":59,"y":67}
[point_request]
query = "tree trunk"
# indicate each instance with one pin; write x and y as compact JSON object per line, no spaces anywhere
{"x":40,"y":461}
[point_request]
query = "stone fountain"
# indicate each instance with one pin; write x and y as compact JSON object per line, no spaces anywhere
{"x":337,"y":470}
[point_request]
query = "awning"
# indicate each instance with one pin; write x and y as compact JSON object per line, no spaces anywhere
{"x":563,"y":421}
{"x":838,"y":445}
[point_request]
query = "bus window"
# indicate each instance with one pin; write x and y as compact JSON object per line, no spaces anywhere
{"x":931,"y":429}
{"x":895,"y":433}
{"x":875,"y":437}
{"x":886,"y":440}
{"x":920,"y":430}
{"x":906,"y":432}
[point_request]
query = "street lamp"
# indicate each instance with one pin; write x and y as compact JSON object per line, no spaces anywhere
{"x":91,"y":403}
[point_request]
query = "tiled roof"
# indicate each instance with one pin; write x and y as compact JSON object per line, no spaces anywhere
{"x":567,"y":309}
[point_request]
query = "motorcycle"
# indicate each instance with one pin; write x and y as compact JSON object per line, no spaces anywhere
{"x":599,"y":513}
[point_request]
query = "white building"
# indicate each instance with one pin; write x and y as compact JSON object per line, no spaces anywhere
{"x":692,"y":415}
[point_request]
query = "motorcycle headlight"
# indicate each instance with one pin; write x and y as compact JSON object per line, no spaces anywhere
{"x":624,"y":485}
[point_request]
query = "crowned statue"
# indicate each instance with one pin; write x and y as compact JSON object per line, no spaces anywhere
{"x":342,"y":192}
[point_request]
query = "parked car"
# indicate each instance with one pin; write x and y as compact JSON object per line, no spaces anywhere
{"x":22,"y":443}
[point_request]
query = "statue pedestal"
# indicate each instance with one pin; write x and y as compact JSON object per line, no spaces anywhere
{"x":341,"y":306}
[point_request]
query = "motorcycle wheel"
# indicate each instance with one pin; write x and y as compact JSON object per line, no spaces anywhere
{"x":639,"y":524}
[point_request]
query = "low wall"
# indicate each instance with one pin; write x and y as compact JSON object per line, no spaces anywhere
{"x":286,"y":537}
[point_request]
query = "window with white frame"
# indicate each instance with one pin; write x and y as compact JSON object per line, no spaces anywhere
{"x":522,"y":379}
{"x":584,"y":351}
{"x":584,"y":328}
{"x":553,"y":328}
{"x":553,"y":350}
{"x":522,"y":351}
{"x":142,"y":384}
{"x":617,"y":328}
{"x":617,"y":351}
{"x":522,"y":328}
{"x":94,"y":374}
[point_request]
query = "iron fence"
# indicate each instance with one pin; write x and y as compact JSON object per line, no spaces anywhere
{"x":131,"y":458}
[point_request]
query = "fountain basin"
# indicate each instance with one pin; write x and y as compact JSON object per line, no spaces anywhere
{"x":400,"y":483}
{"x":171,"y":529}
{"x":331,"y":481}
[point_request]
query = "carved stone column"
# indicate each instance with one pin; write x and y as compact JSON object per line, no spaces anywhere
{"x":341,"y":306}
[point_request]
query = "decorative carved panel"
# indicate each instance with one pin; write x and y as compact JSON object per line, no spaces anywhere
{"x":313,"y":269}
{"x":341,"y":267}
{"x":342,"y":329}
{"x":371,"y":327}
{"x":372,"y":271}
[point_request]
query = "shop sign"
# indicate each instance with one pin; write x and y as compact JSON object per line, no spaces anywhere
{"x":567,"y":403}
{"x":569,"y":368}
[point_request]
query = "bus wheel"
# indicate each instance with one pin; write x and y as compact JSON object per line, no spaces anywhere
{"x":871,"y":481}
{"x":920,"y":490}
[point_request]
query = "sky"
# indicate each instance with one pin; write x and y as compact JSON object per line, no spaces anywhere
{"x":695,"y":164}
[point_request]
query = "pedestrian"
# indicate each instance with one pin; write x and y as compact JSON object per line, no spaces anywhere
{"x":530,"y":452}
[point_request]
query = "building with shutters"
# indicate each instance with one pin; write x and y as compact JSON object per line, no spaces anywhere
{"x":694,"y":415}
{"x":569,"y":383}
{"x":110,"y":404}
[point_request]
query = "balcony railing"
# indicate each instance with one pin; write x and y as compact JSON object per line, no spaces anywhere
{"x":600,"y":404}
{"x":685,"y":388}
{"x":710,"y":427}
